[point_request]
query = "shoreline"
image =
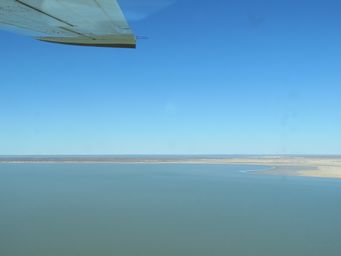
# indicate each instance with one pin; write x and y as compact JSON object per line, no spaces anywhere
{"x":306,"y":166}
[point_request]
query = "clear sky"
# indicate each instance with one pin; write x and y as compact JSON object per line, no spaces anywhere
{"x":214,"y":77}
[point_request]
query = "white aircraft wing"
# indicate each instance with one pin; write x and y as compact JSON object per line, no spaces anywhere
{"x":77,"y":22}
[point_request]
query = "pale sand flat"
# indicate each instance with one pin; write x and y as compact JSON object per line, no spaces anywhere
{"x":308,"y":166}
{"x":323,"y":172}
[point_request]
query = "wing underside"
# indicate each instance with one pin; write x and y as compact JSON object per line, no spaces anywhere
{"x":77,"y":22}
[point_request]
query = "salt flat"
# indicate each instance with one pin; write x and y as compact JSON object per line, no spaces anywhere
{"x":309,"y":166}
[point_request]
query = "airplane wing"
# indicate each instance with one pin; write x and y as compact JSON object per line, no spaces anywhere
{"x":76,"y":22}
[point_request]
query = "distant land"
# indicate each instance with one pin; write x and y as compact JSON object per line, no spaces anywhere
{"x":298,"y":165}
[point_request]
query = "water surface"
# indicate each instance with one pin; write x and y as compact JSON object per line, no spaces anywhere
{"x":170,"y":209}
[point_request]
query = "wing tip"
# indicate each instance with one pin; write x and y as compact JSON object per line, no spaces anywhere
{"x":127,"y":45}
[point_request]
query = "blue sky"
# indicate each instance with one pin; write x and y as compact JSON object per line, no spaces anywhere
{"x":217,"y":77}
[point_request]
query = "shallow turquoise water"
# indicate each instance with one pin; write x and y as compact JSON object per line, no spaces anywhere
{"x":137,"y":209}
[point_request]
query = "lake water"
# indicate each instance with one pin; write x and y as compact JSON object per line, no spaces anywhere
{"x":147,"y":210}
